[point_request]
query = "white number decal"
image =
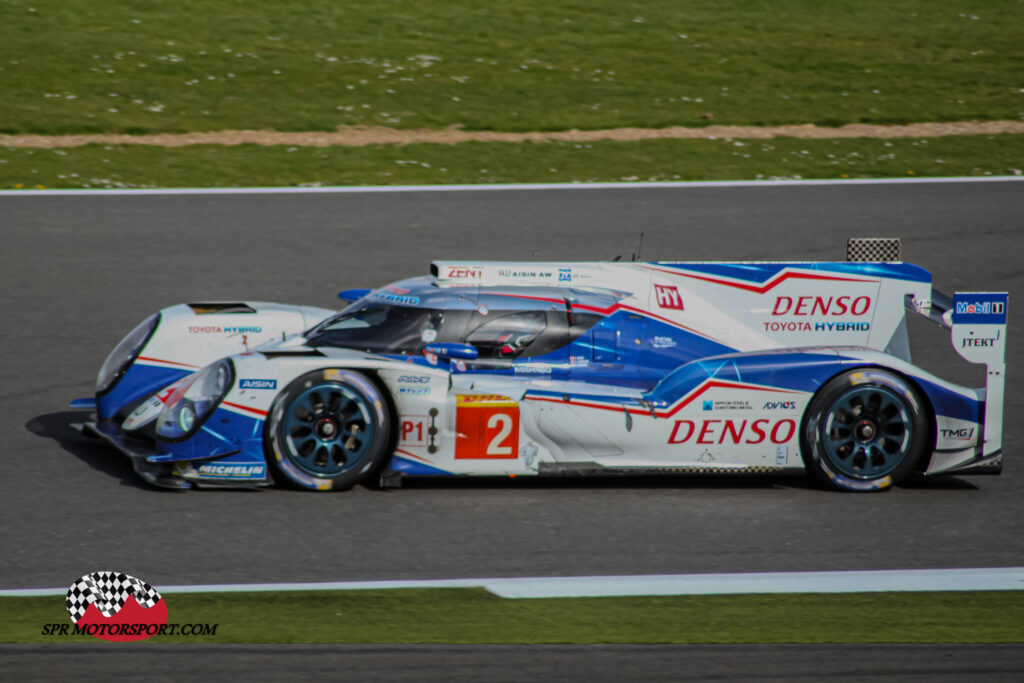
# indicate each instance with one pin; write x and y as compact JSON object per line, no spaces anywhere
{"x":496,"y":447}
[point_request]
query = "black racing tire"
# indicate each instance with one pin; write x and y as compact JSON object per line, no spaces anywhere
{"x":328,"y":430}
{"x":865,"y":430}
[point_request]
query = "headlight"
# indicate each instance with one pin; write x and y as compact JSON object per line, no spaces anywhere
{"x":195,"y":400}
{"x":124,"y":354}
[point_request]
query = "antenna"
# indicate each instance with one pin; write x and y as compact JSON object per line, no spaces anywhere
{"x":639,"y":246}
{"x":534,"y":254}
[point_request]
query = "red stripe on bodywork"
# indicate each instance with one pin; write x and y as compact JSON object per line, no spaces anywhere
{"x":612,"y":309}
{"x":257,"y":411}
{"x":168,"y":362}
{"x":685,"y":401}
{"x":413,"y":455}
{"x":773,"y":282}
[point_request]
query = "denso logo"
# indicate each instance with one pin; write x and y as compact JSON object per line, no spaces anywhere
{"x":461,"y":273}
{"x":820,"y":305}
{"x":780,"y":405}
{"x":732,"y":431}
{"x":668,"y":297}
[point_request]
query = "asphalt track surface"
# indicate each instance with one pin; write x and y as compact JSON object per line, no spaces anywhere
{"x":76,"y":273}
{"x":499,"y":663}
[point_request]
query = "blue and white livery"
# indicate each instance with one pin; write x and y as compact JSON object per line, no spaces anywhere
{"x":490,"y":368}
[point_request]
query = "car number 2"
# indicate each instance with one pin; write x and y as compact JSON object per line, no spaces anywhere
{"x":488,"y":428}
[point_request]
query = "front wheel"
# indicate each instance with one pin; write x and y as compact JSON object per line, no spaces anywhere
{"x":329,"y":429}
{"x":866,"y":430}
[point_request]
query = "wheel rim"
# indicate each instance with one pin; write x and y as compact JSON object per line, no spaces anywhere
{"x":327,"y":429}
{"x":868,"y":432}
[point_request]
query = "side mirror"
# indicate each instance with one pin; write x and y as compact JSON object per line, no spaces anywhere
{"x":352,"y":295}
{"x":453,"y":351}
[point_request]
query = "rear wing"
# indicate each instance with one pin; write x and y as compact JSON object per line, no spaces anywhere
{"x":977,"y":324}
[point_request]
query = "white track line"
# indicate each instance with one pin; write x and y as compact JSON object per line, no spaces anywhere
{"x":500,"y":187}
{"x":899,"y":580}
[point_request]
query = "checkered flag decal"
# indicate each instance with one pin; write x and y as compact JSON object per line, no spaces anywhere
{"x":873,"y":249}
{"x":108,"y":591}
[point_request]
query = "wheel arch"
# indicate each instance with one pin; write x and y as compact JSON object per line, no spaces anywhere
{"x":919,"y":390}
{"x":373,"y":377}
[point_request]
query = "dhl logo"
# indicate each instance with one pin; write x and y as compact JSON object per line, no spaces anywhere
{"x":483,"y":400}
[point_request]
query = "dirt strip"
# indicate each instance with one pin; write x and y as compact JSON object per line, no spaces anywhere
{"x":357,"y":136}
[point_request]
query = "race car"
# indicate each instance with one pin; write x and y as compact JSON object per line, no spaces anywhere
{"x":522,"y":369}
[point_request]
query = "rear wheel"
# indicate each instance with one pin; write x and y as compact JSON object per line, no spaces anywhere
{"x":865,"y":430}
{"x":329,"y":429}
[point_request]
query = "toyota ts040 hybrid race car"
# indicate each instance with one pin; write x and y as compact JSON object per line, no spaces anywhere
{"x":488,"y":368}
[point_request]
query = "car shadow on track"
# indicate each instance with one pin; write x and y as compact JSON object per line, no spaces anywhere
{"x":92,"y":451}
{"x":105,"y":459}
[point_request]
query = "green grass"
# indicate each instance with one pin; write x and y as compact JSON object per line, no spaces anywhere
{"x":477,"y":162}
{"x":133,"y":66}
{"x":476,"y":616}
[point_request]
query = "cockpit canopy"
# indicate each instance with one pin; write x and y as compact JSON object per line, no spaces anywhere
{"x":501,"y":322}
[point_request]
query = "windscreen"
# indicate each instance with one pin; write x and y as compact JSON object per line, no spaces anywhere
{"x":385,"y":328}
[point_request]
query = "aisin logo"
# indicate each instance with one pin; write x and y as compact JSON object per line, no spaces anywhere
{"x":116,"y":606}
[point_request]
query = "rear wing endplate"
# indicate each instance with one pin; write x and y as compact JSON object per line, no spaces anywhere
{"x":978,"y":322}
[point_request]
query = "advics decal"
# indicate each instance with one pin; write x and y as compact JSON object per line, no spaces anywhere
{"x":779,"y":405}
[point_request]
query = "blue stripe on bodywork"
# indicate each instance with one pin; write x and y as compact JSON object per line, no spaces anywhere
{"x":788,"y":370}
{"x":141,"y":381}
{"x":413,"y":468}
{"x":949,"y":403}
{"x":225,"y":431}
{"x":762,"y":272}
